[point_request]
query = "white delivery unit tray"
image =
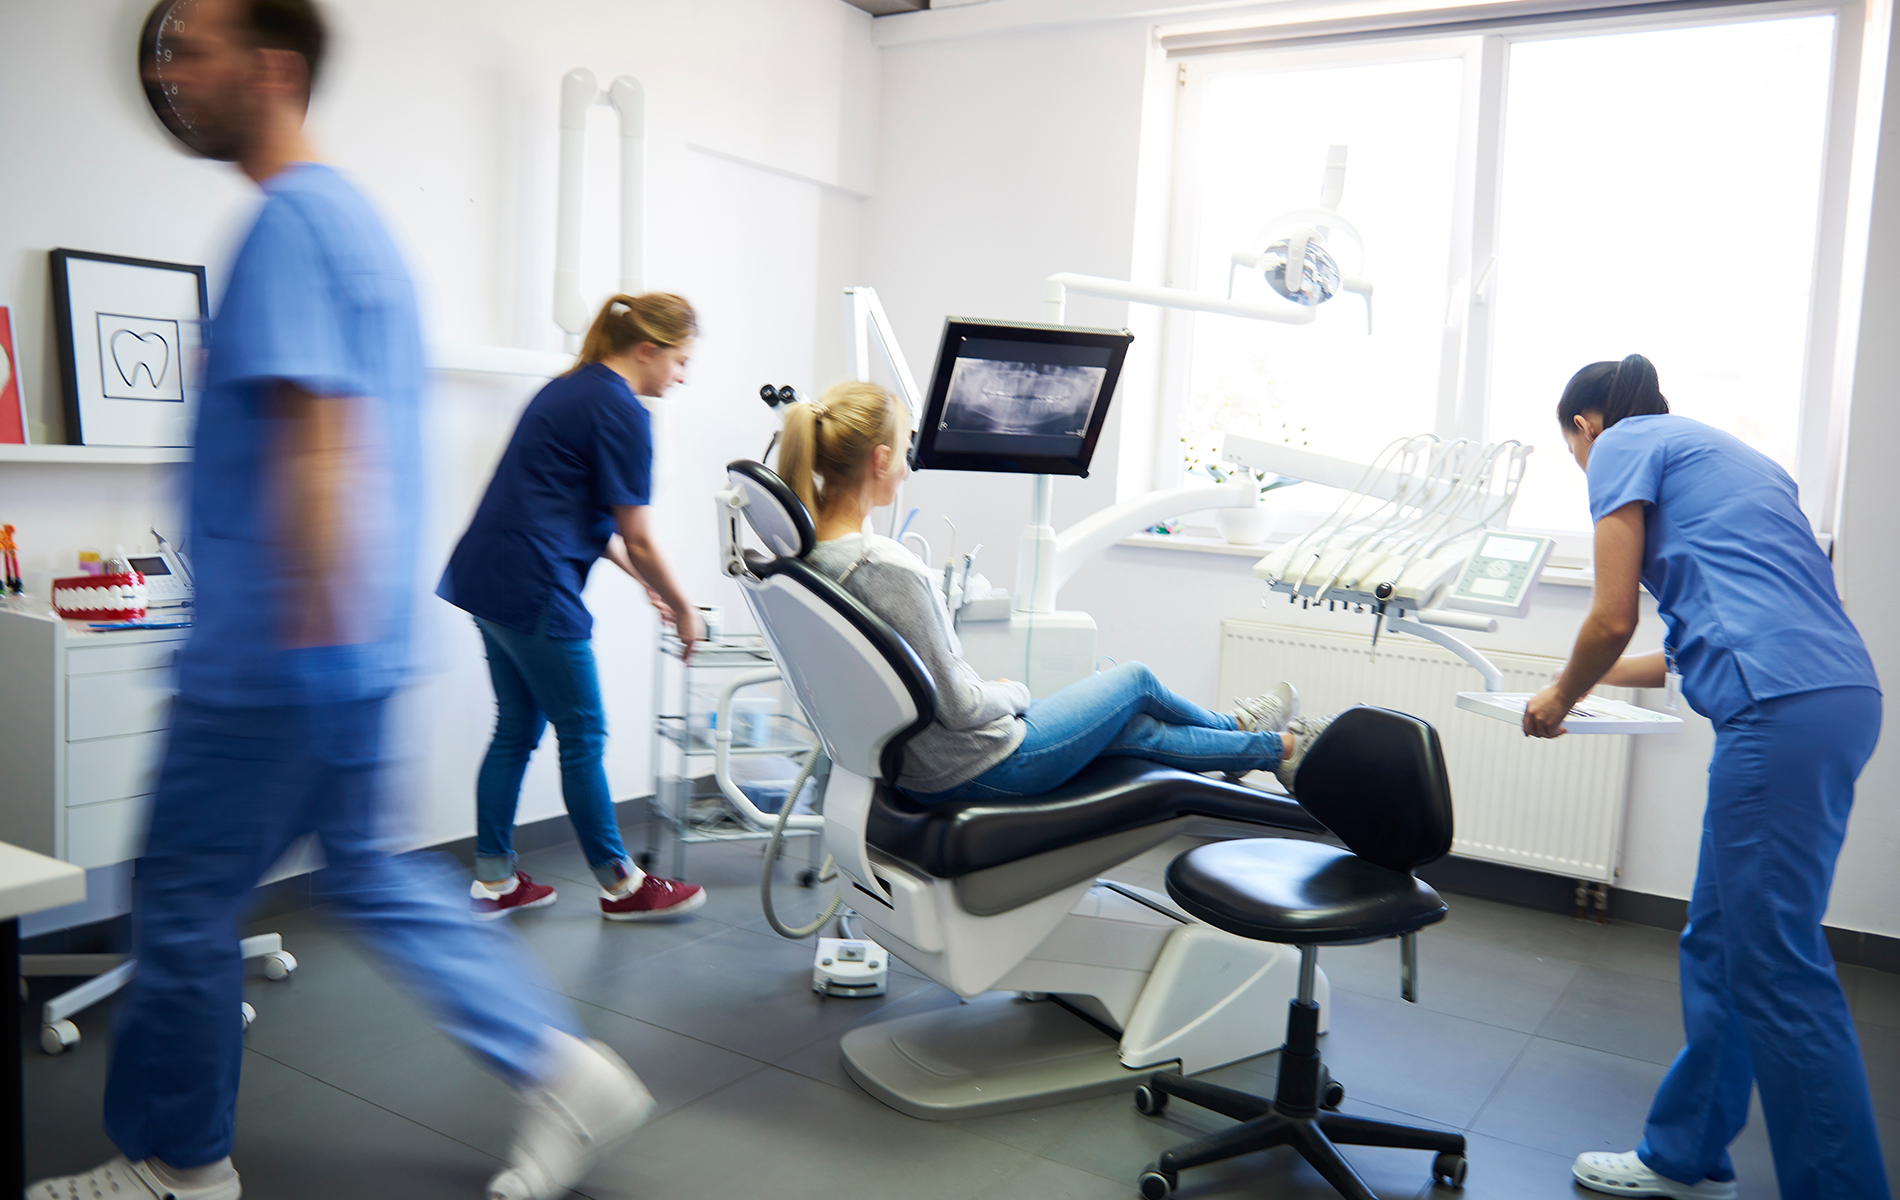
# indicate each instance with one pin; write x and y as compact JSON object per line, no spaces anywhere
{"x":1592,"y":714}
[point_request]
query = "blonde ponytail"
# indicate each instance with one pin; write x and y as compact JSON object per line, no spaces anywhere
{"x":828,"y":441}
{"x":625,"y":321}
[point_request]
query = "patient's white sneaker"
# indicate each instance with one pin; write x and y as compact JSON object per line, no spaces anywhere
{"x":149,"y":1179}
{"x":591,"y":1102}
{"x":1627,"y":1175}
{"x":1304,"y":730}
{"x":1269,"y":711}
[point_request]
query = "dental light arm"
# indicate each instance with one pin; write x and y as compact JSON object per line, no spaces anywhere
{"x":579,"y":93}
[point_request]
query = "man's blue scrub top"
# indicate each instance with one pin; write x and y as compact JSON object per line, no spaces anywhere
{"x":318,"y":297}
{"x":583,"y":446}
{"x":1746,"y":595}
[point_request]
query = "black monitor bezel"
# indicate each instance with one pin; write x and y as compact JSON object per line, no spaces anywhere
{"x":925,"y":455}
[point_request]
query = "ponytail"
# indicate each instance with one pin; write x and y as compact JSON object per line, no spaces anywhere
{"x":828,"y":441}
{"x":1612,"y":390}
{"x":625,"y":321}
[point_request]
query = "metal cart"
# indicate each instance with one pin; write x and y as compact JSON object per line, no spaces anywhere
{"x":681,"y":740}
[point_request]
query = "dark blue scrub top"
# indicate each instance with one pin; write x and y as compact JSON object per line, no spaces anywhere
{"x":1746,"y":595}
{"x":318,"y":297}
{"x":583,"y":446}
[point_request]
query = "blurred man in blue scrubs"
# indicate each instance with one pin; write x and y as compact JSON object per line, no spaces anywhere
{"x":303,"y":527}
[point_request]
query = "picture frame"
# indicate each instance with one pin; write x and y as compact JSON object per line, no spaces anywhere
{"x":130,"y":333}
{"x":13,"y":427}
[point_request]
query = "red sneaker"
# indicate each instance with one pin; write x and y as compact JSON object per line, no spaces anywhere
{"x":487,"y":904}
{"x":653,"y":899}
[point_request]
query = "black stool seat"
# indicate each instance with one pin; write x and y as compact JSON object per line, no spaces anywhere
{"x":1299,"y":893}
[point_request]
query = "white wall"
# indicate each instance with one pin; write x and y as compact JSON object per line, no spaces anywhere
{"x":1010,"y":151}
{"x":445,"y":112}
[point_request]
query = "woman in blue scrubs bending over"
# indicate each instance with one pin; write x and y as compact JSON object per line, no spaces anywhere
{"x":1754,"y":627}
{"x":572,"y":488}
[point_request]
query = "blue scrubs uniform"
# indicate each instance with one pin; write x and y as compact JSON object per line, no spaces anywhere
{"x":267,"y":743}
{"x":1767,"y":654}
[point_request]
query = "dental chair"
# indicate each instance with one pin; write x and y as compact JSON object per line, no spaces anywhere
{"x":1093,"y":985}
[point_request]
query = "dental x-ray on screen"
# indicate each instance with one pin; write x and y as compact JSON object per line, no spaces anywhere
{"x":1019,"y":398}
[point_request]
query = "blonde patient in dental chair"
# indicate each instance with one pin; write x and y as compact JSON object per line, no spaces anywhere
{"x":842,"y":454}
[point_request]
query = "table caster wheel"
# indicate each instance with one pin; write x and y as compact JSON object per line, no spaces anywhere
{"x":56,"y":1037}
{"x":1449,"y":1168}
{"x":1150,"y":1100}
{"x":1155,"y":1184}
{"x":279,"y":964}
{"x":807,"y":878}
{"x":246,"y":1014}
{"x":644,"y":860}
{"x":1332,"y":1095}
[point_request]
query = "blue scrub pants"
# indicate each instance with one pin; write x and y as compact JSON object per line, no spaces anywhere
{"x":539,"y":679}
{"x":237,"y":787}
{"x":1125,"y":711}
{"x":1760,"y":999}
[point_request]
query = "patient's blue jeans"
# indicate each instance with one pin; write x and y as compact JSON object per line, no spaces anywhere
{"x":1127,"y":712}
{"x":540,"y":679}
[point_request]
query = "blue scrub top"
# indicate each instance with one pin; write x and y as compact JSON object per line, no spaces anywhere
{"x":1746,"y":595}
{"x":583,"y":446}
{"x":318,"y":297}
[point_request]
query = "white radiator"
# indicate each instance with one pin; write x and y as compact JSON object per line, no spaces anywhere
{"x":1553,"y":806}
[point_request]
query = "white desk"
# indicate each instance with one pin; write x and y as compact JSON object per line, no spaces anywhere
{"x":29,"y":882}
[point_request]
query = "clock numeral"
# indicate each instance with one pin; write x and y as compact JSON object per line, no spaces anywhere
{"x":166,"y":55}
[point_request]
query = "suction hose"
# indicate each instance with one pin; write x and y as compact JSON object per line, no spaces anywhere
{"x":771,"y":858}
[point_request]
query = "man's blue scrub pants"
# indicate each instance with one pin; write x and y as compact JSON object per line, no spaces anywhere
{"x":237,"y":787}
{"x":1760,"y":1000}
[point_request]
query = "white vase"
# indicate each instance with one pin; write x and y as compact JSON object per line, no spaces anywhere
{"x":1244,"y":526}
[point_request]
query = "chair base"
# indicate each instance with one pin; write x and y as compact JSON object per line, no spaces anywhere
{"x":996,"y":1054}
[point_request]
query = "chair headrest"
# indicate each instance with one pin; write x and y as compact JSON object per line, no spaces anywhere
{"x":773,"y":510}
{"x":1377,"y":779}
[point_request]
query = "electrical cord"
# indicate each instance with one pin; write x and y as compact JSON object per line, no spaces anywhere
{"x":772,"y":849}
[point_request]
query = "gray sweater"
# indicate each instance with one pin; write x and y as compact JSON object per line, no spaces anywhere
{"x":978,"y":721}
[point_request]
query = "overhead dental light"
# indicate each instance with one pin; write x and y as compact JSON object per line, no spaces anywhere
{"x":1310,"y":255}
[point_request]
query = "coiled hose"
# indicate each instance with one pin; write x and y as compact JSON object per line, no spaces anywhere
{"x":772,"y":849}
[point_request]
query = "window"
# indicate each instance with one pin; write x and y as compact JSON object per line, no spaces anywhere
{"x":1531,"y":200}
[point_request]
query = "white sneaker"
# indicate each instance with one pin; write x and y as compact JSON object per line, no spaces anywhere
{"x":146,"y":1180}
{"x":1304,"y":730}
{"x":592,"y":1102}
{"x":1269,"y":711}
{"x":1626,"y":1175}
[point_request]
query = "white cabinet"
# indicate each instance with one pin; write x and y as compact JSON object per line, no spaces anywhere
{"x":82,"y":724}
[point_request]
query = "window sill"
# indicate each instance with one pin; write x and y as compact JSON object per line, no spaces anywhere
{"x":1204,"y":543}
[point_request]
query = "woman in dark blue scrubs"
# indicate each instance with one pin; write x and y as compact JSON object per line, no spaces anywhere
{"x":1756,"y":630}
{"x":572,"y":488}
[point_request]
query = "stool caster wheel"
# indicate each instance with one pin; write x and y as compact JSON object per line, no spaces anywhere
{"x":279,"y":964}
{"x":1449,"y":1168}
{"x":246,"y":1014}
{"x":57,"y":1036}
{"x":1155,"y":1184}
{"x":807,"y":878}
{"x":1332,"y":1095}
{"x":1149,"y":1100}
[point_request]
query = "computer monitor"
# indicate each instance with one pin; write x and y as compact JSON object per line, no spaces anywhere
{"x":1018,"y":398}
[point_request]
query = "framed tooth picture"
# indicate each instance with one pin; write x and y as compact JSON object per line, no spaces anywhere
{"x":131,"y":343}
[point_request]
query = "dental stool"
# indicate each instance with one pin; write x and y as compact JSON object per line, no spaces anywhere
{"x":1080,"y":987}
{"x":1377,"y":779}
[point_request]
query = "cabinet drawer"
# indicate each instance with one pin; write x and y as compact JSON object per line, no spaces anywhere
{"x":113,"y":768}
{"x":136,"y":656}
{"x":122,"y":702}
{"x":99,"y":835}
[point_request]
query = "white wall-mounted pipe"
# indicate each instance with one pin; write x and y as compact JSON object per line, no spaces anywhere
{"x":1060,"y":285}
{"x":579,"y":93}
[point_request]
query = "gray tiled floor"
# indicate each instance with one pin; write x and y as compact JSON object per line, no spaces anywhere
{"x":1536,"y":1035}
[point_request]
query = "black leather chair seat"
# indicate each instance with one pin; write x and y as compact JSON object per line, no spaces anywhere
{"x":1299,"y":893}
{"x":1109,"y":796}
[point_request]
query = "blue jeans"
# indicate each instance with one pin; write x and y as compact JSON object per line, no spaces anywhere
{"x":540,"y":679}
{"x":1127,"y":712}
{"x":1761,"y":1003}
{"x":236,"y":788}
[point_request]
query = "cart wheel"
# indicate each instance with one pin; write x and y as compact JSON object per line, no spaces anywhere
{"x":246,"y":1014}
{"x":56,"y":1037}
{"x":1449,"y":1168}
{"x":279,"y":964}
{"x":644,"y":860}
{"x":1150,"y":1100}
{"x":807,"y":878}
{"x":1155,"y":1184}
